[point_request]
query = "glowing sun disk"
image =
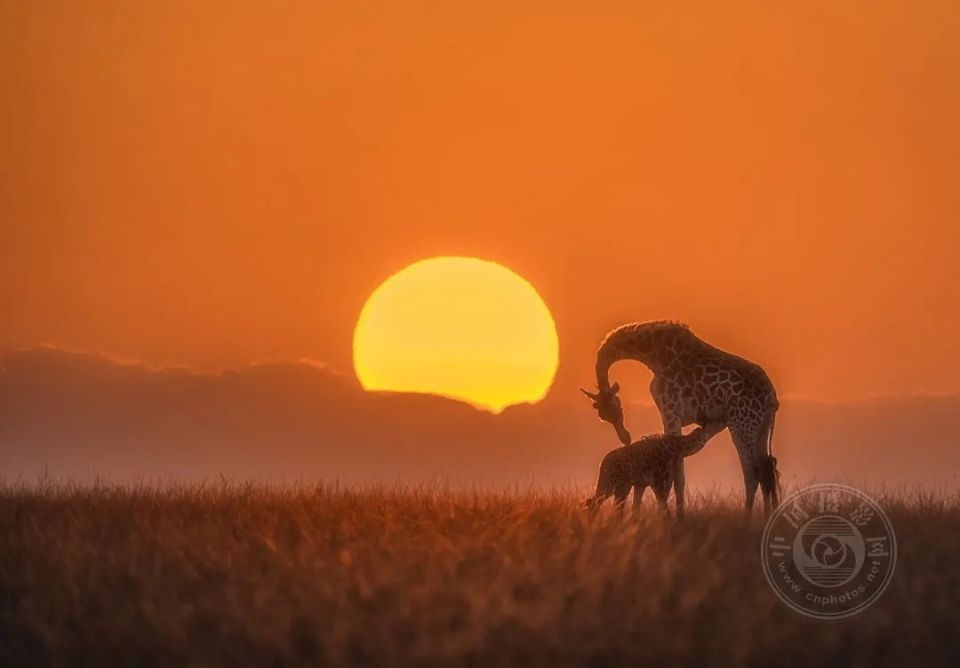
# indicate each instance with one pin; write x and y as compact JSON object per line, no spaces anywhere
{"x":460,"y":327}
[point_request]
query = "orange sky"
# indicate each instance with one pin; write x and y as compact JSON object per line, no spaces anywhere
{"x":199,"y":185}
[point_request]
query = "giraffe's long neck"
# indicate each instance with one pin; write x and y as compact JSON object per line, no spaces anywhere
{"x":627,"y":342}
{"x":696,"y":439}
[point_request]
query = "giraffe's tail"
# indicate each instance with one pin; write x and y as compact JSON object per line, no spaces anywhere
{"x":773,"y":422}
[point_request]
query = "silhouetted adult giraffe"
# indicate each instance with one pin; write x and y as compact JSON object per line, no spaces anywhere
{"x":696,"y":383}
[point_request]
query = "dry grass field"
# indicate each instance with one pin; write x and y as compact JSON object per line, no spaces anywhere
{"x":235,"y":575}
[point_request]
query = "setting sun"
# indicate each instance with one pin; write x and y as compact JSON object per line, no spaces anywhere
{"x":459,"y":327}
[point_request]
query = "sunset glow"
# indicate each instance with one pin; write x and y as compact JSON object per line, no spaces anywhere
{"x":459,"y":327}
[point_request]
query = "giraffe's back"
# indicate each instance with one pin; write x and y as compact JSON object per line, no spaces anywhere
{"x":738,"y":376}
{"x":646,"y":459}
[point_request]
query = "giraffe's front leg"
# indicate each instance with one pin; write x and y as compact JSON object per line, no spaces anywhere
{"x":671,"y":412}
{"x":673,"y":425}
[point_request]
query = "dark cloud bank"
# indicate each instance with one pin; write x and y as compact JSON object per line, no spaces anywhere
{"x":83,"y":416}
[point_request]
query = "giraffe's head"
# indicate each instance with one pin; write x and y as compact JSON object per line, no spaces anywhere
{"x":609,"y":409}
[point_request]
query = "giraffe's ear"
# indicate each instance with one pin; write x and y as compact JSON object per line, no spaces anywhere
{"x":614,"y":388}
{"x":592,"y":396}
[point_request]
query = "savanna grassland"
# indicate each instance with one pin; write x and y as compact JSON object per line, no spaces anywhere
{"x":245,"y":575}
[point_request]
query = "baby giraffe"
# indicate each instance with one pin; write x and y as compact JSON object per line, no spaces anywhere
{"x":653,"y":461}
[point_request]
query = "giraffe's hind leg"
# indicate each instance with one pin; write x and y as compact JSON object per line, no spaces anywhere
{"x":750,"y":483}
{"x":767,"y":465}
{"x":745,"y":450}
